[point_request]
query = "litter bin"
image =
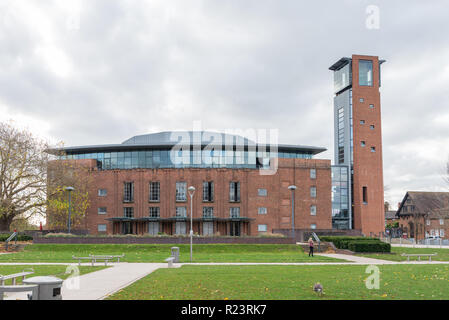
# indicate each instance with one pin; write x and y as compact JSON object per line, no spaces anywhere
{"x":49,"y":287}
{"x":175,"y":254}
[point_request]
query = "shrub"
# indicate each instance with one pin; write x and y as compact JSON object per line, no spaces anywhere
{"x":342,"y":242}
{"x":59,"y":235}
{"x":20,"y":237}
{"x":369,"y":246}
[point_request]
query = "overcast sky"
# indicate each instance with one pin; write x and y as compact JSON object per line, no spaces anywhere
{"x":101,"y":71}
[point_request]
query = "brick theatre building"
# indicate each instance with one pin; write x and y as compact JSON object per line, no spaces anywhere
{"x":141,"y":186}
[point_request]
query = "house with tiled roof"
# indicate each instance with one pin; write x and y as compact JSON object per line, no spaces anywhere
{"x":424,"y":214}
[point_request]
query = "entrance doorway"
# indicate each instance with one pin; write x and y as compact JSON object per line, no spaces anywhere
{"x":127,"y":228}
{"x":235,"y":229}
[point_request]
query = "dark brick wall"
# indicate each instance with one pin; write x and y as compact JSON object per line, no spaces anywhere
{"x":161,"y":240}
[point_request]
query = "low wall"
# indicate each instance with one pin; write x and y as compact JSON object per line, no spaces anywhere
{"x":160,"y":240}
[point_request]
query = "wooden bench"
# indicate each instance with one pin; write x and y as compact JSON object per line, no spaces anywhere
{"x":419,"y":255}
{"x":34,"y":288}
{"x":94,"y":258}
{"x":14,"y":276}
{"x":170,"y":261}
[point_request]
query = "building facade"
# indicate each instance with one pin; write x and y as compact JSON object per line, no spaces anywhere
{"x":140,"y":187}
{"x":424,"y":215}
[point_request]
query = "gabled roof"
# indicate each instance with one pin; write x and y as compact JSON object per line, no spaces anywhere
{"x":434,"y":204}
{"x":389,"y":215}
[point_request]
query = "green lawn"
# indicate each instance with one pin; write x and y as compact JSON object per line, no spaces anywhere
{"x":289,"y":282}
{"x":158,"y":253}
{"x":57,"y":271}
{"x":395,"y":255}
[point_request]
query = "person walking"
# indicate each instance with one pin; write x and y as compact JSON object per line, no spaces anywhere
{"x":310,"y":247}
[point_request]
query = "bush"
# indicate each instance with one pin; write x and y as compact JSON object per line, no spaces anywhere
{"x":342,"y":242}
{"x":20,"y":237}
{"x":369,"y":246}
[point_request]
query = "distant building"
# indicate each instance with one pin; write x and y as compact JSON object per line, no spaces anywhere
{"x":424,"y":214}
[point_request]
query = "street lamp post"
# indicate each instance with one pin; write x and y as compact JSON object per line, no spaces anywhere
{"x":191,"y":193}
{"x":293,"y":188}
{"x":69,"y":189}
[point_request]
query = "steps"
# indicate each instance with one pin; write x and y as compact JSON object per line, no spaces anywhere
{"x":324,"y":247}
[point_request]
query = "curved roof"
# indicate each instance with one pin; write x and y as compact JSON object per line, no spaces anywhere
{"x":168,"y":139}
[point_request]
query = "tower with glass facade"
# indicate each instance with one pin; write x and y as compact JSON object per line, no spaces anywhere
{"x":357,"y":176}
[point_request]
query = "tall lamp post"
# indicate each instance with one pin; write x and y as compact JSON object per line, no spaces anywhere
{"x":69,"y":189}
{"x":293,"y":188}
{"x":191,"y":193}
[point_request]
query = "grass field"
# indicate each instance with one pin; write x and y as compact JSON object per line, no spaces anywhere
{"x":289,"y":282}
{"x":57,"y":271}
{"x":395,"y":255}
{"x":158,"y":253}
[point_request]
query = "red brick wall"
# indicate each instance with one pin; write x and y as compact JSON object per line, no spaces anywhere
{"x":277,"y":201}
{"x":368,"y":169}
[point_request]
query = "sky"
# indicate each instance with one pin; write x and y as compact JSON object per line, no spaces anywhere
{"x":89,"y":72}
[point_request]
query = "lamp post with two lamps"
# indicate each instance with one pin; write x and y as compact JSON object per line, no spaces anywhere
{"x":293,"y":188}
{"x":191,"y":193}
{"x":69,"y":189}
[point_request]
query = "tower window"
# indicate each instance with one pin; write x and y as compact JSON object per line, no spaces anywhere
{"x":373,"y":149}
{"x":362,"y":100}
{"x":365,"y":73}
{"x":371,"y":127}
{"x":362,"y":121}
{"x":371,"y":106}
{"x":365,"y":195}
{"x":362,"y":143}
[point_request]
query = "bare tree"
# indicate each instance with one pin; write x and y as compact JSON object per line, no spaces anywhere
{"x":23,"y":166}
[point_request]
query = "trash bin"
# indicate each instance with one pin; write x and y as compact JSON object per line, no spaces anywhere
{"x":175,"y":254}
{"x":49,"y":287}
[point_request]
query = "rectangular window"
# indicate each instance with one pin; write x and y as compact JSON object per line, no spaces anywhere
{"x":373,"y":149}
{"x":102,"y":192}
{"x":101,"y":228}
{"x":102,"y":210}
{"x":155,"y":212}
{"x":128,"y":212}
{"x":313,"y":192}
{"x":313,"y":226}
{"x":371,"y":127}
{"x":262,"y":210}
{"x":428,"y":222}
{"x":234,"y":212}
{"x":208,"y":212}
{"x":365,"y":195}
{"x":262,"y":192}
{"x":234,"y":192}
{"x":442,"y":233}
{"x":371,"y":106}
{"x":362,"y":121}
{"x":155,"y":191}
{"x":441,"y":221}
{"x":181,"y":212}
{"x":365,"y":73}
{"x":362,"y":143}
{"x":262,"y":228}
{"x":312,"y":173}
{"x":181,"y":191}
{"x":208,"y":191}
{"x":313,"y":210}
{"x":128,"y":192}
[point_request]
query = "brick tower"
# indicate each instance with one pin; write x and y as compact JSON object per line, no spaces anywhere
{"x":358,"y":138}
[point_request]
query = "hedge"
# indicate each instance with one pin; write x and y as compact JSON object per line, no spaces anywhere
{"x":20,"y":237}
{"x":342,"y":242}
{"x":369,"y":246}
